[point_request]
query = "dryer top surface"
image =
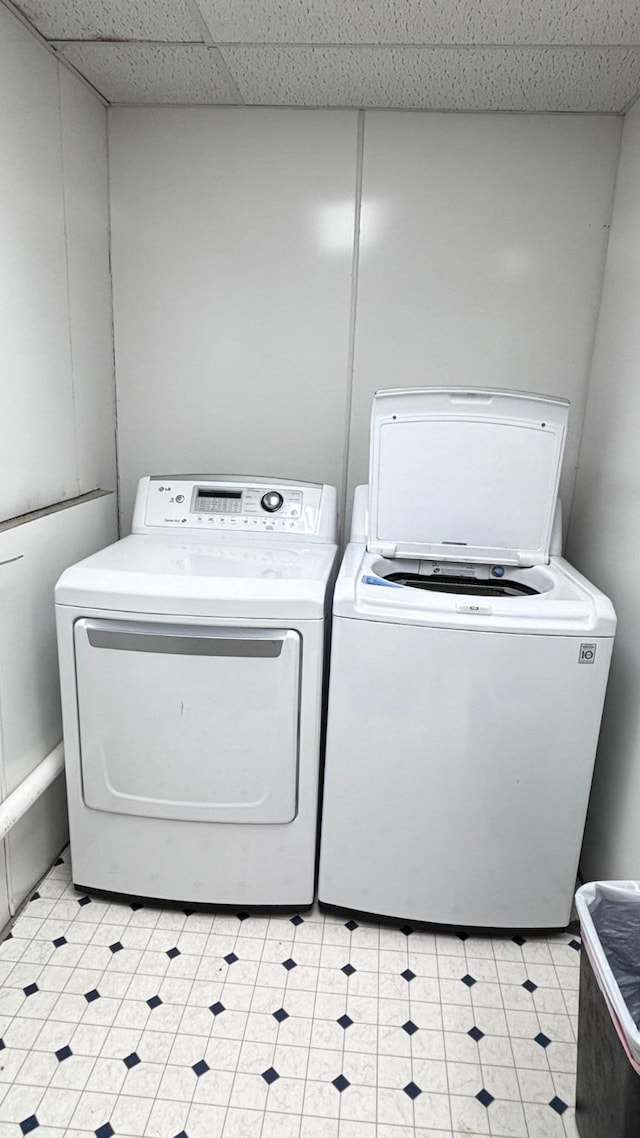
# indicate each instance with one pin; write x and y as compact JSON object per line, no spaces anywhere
{"x":229,"y":576}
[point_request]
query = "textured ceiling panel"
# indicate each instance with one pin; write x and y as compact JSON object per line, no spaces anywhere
{"x":466,"y":55}
{"x":151,"y":73}
{"x":465,"y":79}
{"x":423,"y":21}
{"x":112,"y":19}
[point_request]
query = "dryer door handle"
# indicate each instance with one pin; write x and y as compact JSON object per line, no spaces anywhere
{"x":184,"y":642}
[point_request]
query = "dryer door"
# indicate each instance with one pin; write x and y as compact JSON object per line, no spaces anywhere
{"x":187,"y":721}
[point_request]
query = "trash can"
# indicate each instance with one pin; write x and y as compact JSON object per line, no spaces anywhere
{"x":608,"y":1083}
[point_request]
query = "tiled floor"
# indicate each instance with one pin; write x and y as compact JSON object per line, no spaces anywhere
{"x":130,"y":1020}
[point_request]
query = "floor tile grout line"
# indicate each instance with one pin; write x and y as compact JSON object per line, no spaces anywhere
{"x":377,"y":1083}
{"x":411,"y":1055}
{"x":346,"y":1012}
{"x":244,"y":1034}
{"x":511,"y":1051}
{"x":277,"y":1036}
{"x":306,"y":1077}
{"x":96,"y":1060}
{"x":186,"y":1006}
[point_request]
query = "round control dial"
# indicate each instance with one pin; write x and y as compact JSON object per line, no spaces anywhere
{"x":271,"y":501}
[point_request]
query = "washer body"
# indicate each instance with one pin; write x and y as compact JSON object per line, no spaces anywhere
{"x":191,"y":663}
{"x":465,"y":696}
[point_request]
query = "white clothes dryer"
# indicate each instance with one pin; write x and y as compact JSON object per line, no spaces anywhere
{"x":191,"y":664}
{"x":469,"y":664}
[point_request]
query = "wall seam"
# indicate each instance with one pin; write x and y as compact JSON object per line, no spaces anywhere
{"x":48,"y":47}
{"x":355,"y":268}
{"x":630,"y":104}
{"x":68,"y":284}
{"x":116,"y":433}
{"x":594,"y":342}
{"x":321,"y":108}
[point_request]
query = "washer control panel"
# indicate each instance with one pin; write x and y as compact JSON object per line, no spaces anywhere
{"x":232,"y":505}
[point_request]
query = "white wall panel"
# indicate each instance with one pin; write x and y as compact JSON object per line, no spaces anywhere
{"x":232,"y":244}
{"x":482,"y":248}
{"x":86,"y":202}
{"x":605,"y":530}
{"x":36,"y":399}
{"x":56,"y":351}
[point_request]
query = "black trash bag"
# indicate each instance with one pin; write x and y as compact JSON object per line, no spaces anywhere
{"x":617,"y":923}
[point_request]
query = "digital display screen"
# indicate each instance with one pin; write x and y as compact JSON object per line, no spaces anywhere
{"x":218,"y":501}
{"x":219,"y":494}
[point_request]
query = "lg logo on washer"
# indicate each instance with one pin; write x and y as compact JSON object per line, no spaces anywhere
{"x":587,"y":654}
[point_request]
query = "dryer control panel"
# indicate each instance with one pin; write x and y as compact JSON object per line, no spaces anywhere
{"x":211,"y":503}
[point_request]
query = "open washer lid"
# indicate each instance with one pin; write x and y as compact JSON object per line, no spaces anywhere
{"x":465,"y":474}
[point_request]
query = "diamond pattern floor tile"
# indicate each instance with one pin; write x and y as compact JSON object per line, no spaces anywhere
{"x":129,"y":1019}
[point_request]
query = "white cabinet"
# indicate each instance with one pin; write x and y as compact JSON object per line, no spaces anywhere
{"x":33,"y":556}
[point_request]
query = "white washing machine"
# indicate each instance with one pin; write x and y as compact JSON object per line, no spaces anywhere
{"x":191,"y":663}
{"x":468,"y":670}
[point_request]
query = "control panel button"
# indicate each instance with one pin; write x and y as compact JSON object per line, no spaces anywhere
{"x":271,"y":501}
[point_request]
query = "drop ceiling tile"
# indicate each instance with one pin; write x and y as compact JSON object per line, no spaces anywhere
{"x":422,"y":22}
{"x":463,"y":79}
{"x":151,"y":73}
{"x":113,"y":19}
